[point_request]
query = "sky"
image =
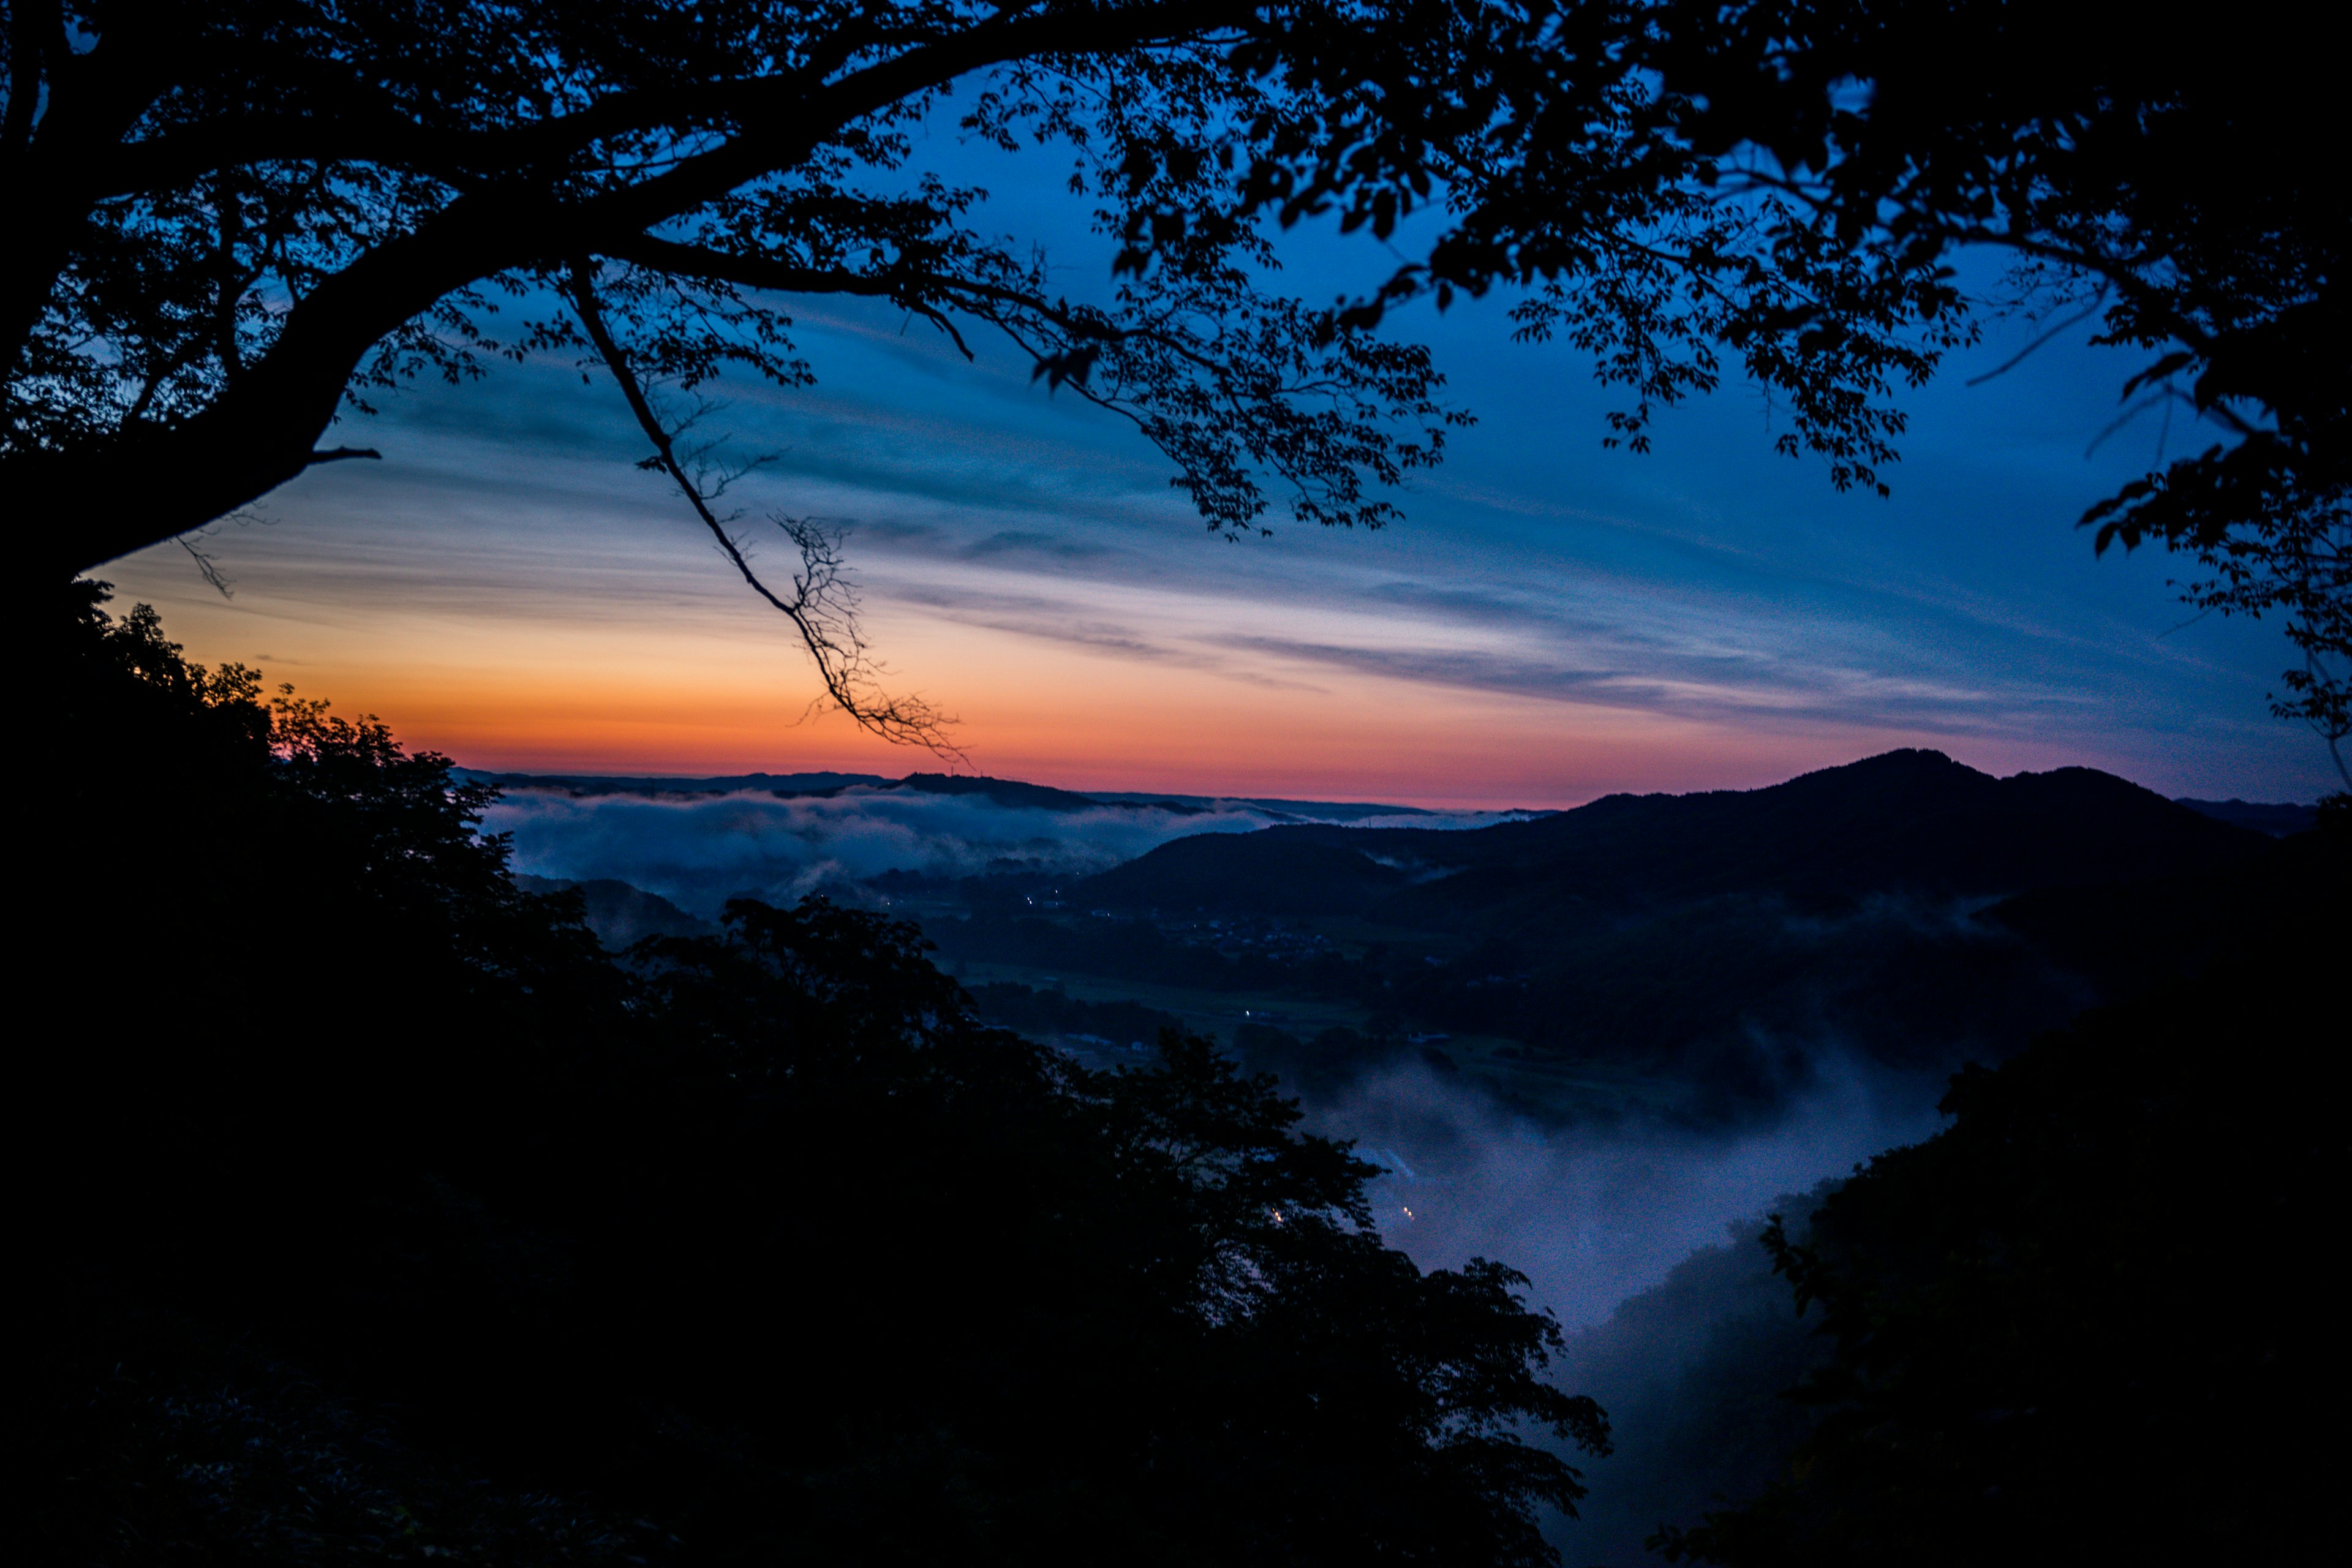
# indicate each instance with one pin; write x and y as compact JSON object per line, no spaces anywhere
{"x":1551,"y":621}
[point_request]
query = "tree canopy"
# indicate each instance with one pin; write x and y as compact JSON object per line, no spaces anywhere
{"x":2088,"y":1320}
{"x":376,"y":1213}
{"x":240,"y":221}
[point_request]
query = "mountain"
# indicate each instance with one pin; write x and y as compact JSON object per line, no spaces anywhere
{"x":1009,"y":793}
{"x":2278,"y":819}
{"x":820,"y":786}
{"x":1274,"y":806}
{"x":727,"y":784}
{"x":1275,"y":871}
{"x":1905,"y":910}
{"x":1908,"y":823}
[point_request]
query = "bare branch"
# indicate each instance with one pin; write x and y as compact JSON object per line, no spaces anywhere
{"x":206,"y":566}
{"x":2098,"y":303}
{"x":824,"y":602}
{"x":2330,"y":720}
{"x":2161,"y":397}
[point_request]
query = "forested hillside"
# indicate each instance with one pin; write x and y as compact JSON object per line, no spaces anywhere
{"x":2089,"y":1321}
{"x":1908,"y":823}
{"x":1904,"y":909}
{"x":377,"y":1213}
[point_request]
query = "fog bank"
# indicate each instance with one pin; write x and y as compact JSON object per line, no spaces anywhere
{"x":699,"y":850}
{"x":1640,"y":1239}
{"x":1595,"y":1213}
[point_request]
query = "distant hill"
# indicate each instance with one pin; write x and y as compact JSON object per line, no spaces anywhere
{"x":1905,"y":908}
{"x":2278,"y":820}
{"x":1003,"y":792}
{"x":1275,"y":805}
{"x":1282,"y":871}
{"x":656,"y":783}
{"x":1009,"y":793}
{"x":1911,"y":824}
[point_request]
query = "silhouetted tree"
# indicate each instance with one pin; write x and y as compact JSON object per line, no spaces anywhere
{"x":238,"y":220}
{"x":373,"y":1211}
{"x":246,"y":218}
{"x":2174,"y":187}
{"x":2089,"y":1320}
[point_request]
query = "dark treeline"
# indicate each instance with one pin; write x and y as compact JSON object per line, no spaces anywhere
{"x":2089,"y":1321}
{"x":1695,"y":1373}
{"x":378,"y":1213}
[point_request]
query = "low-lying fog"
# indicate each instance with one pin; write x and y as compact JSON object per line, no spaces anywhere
{"x":1595,"y":1213}
{"x":1590,"y":1214}
{"x":1642,"y":1239}
{"x":699,"y":850}
{"x":1638,"y":1236}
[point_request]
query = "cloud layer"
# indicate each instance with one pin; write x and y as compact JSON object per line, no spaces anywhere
{"x":1551,"y":621}
{"x":699,"y":850}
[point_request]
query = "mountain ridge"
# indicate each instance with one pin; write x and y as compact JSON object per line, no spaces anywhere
{"x":1910,"y":822}
{"x":1015,"y":793}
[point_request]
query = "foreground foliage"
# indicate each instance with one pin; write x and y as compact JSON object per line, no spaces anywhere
{"x":2089,"y":1321}
{"x":378,"y":1215}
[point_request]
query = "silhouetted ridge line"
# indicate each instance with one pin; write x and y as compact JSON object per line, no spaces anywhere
{"x":656,"y":783}
{"x":1005,"y":792}
{"x":1909,"y":823}
{"x":2278,"y":819}
{"x":1011,"y":793}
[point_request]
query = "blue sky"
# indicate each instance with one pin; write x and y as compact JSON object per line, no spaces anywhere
{"x":1552,"y":621}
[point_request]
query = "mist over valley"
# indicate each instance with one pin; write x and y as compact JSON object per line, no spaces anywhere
{"x":699,"y":842}
{"x":1601,"y":1044}
{"x":1697,"y":958}
{"x":613,"y":1154}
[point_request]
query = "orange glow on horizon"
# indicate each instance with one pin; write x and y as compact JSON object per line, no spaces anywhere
{"x":614,"y":703}
{"x":707,"y":682}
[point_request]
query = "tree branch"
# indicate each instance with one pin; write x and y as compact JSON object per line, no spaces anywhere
{"x":2073,"y":318}
{"x":31,"y":23}
{"x":255,"y":436}
{"x":901,"y":285}
{"x":376,"y":133}
{"x":821,"y":608}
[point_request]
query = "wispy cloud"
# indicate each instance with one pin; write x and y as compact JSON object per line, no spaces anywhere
{"x":1711,"y":585}
{"x":1746,"y":689}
